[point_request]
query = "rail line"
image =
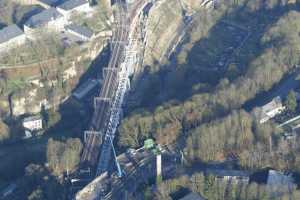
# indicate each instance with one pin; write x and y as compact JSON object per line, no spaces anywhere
{"x":102,"y":103}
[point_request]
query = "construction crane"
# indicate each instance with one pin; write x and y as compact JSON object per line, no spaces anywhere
{"x":119,"y":170}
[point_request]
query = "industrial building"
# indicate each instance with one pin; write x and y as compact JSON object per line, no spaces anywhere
{"x":49,"y":19}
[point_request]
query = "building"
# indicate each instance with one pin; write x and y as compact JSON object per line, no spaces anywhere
{"x":49,"y":3}
{"x":84,"y":33}
{"x":270,"y":110}
{"x":235,"y":176}
{"x":11,"y":36}
{"x":279,"y":183}
{"x":33,"y":123}
{"x":192,"y":196}
{"x":49,"y":19}
{"x":73,"y":6}
{"x":85,"y":89}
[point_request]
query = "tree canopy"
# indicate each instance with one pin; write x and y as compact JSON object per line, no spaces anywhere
{"x":63,"y":156}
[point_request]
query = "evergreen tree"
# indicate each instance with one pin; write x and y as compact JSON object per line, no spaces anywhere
{"x":291,"y":101}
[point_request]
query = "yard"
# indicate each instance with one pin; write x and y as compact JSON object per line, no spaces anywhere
{"x":46,"y":47}
{"x":14,"y":13}
{"x":97,"y":21}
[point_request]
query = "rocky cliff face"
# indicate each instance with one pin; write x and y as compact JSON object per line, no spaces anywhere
{"x":164,"y":19}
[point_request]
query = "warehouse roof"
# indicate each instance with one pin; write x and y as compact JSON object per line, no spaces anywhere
{"x":71,"y":4}
{"x":9,"y":33}
{"x":43,"y":18}
{"x":52,"y":2}
{"x":32,"y":118}
{"x":82,"y":30}
{"x":222,"y":173}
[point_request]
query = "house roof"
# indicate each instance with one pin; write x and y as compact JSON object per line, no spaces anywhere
{"x":71,"y":4}
{"x":52,"y":2}
{"x":32,"y":118}
{"x":43,"y":18}
{"x":82,"y":30}
{"x":9,"y":33}
{"x":221,"y":172}
{"x":275,"y":103}
{"x":192,"y":196}
{"x":262,"y":112}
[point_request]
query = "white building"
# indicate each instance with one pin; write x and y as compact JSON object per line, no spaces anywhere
{"x":49,"y":19}
{"x":82,"y":32}
{"x":270,"y":110}
{"x":11,"y":36}
{"x":74,"y":6}
{"x":33,"y":123}
{"x":235,"y":176}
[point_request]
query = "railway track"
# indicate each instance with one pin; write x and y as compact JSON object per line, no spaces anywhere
{"x":103,"y":105}
{"x":101,"y":114}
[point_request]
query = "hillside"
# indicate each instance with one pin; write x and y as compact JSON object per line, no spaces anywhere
{"x":194,"y":96}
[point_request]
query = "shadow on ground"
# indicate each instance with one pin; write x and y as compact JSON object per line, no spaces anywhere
{"x":175,"y":83}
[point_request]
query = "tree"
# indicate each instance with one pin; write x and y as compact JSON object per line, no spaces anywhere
{"x":36,"y":195}
{"x":63,"y":156}
{"x":291,"y":101}
{"x":4,"y":131}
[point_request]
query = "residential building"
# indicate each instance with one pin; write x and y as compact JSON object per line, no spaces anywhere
{"x":270,"y":110}
{"x":33,"y":123}
{"x":192,"y":196}
{"x":49,"y":19}
{"x":234,"y":176}
{"x":11,"y":36}
{"x":84,"y":33}
{"x":73,"y":6}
